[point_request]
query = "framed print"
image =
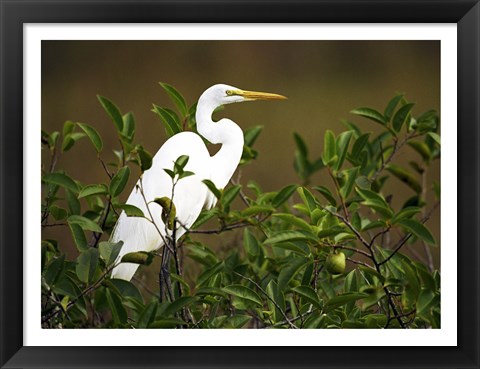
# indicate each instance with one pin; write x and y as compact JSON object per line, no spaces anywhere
{"x":317,"y":227}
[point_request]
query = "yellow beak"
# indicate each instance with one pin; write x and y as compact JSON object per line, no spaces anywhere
{"x":254,"y":95}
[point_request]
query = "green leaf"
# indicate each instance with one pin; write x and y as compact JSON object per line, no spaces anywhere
{"x":418,"y":229}
{"x":176,"y":97}
{"x":206,"y":291}
{"x":85,"y":223}
{"x":65,"y":286}
{"x":131,"y":210}
{"x":237,"y":321}
{"x":92,"y":135}
{"x":284,"y":194}
{"x":128,"y":131}
{"x":376,"y":202}
{"x":307,"y":198}
{"x":166,"y":323}
{"x":61,"y":179}
{"x":78,"y":237}
{"x":405,"y":176}
{"x":434,"y":136}
{"x":342,"y":143}
{"x":276,"y":295}
{"x":126,"y":289}
{"x":392,"y":104}
{"x":73,"y":203}
{"x":363,"y":182}
{"x":181,"y":162}
{"x":309,"y":294}
{"x":211,"y":186}
{"x":351,"y":176}
{"x":293,"y":220}
{"x":244,"y":293}
{"x":326,"y":193}
{"x":424,"y":302}
{"x":145,"y":158}
{"x":250,"y":243}
{"x":57,"y":212}
{"x":350,"y":282}
{"x":178,"y":304}
{"x":289,"y":271}
{"x":421,"y":148}
{"x":70,"y":139}
{"x":210,"y":272}
{"x":139,"y":257}
{"x":87,"y":262}
{"x":401,"y":116}
{"x":93,"y":189}
{"x":329,"y":148}
{"x":285,"y":236}
{"x":330,"y":231}
{"x":112,"y":112}
{"x":343,"y":299}
{"x":371,"y":114}
{"x":109,"y":251}
{"x":147,"y":316}
{"x":172,"y":127}
{"x":119,"y":181}
{"x":301,"y":146}
{"x":229,"y":195}
{"x":204,"y":216}
{"x":297,"y":247}
{"x":256,"y":209}
{"x":119,"y":313}
{"x":359,"y":144}
{"x":251,"y":135}
{"x":54,"y":270}
{"x":68,"y":128}
{"x":407,"y":212}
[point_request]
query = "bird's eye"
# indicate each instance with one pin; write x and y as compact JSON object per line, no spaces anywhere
{"x":229,"y":92}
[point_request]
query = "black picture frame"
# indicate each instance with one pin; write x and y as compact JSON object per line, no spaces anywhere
{"x":15,"y":13}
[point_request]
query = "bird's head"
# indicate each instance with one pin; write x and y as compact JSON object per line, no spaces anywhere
{"x":224,"y":94}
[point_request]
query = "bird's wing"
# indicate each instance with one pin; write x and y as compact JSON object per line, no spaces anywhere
{"x":189,"y":196}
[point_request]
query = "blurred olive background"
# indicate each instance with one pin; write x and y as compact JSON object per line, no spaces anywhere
{"x":323,"y":80}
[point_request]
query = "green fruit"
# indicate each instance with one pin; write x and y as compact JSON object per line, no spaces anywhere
{"x":335,"y":263}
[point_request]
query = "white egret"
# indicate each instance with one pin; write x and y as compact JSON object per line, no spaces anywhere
{"x":190,"y":194}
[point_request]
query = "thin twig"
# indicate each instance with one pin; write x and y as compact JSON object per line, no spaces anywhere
{"x":89,"y":289}
{"x":301,"y":316}
{"x":221,"y":229}
{"x":352,"y":228}
{"x":358,"y":251}
{"x":360,"y":263}
{"x":96,"y":236}
{"x":405,"y":238}
{"x":272,"y":300}
{"x":54,"y":225}
{"x":150,"y":213}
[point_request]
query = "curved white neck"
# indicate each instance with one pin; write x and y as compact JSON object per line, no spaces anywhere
{"x":224,"y":132}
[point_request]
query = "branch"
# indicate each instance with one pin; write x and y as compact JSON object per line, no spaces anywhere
{"x":405,"y":238}
{"x":360,"y":263}
{"x":358,"y":251}
{"x":352,"y":228}
{"x":272,"y":300}
{"x":219,"y":230}
{"x":396,"y":146}
{"x":89,"y":289}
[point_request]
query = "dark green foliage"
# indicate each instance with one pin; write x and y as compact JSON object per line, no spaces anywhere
{"x":330,"y":254}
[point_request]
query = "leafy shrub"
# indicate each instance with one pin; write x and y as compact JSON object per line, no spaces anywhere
{"x":321,"y":255}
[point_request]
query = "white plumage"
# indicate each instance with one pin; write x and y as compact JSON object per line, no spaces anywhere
{"x":190,"y":195}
